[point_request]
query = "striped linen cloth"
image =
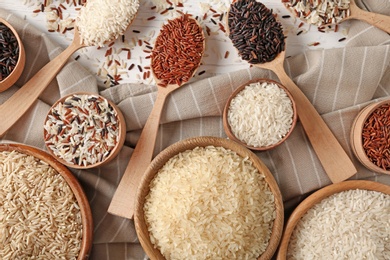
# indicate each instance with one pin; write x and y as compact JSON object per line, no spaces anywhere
{"x":339,"y":82}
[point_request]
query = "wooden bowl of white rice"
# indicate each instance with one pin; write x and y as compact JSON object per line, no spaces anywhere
{"x":347,"y":220}
{"x":208,"y":198}
{"x":44,"y":211}
{"x":260,"y":114}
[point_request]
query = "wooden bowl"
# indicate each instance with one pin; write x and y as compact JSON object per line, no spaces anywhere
{"x":17,"y":71}
{"x":356,"y":136}
{"x":85,"y":210}
{"x":90,"y":132}
{"x":189,"y":144}
{"x":317,"y":197}
{"x":228,"y":129}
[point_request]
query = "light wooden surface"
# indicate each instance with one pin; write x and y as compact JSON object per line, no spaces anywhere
{"x":217,"y":44}
{"x":228,"y":129}
{"x":378,"y":20}
{"x":86,"y":214}
{"x":123,"y":201}
{"x":315,"y":198}
{"x":191,"y":143}
{"x":15,"y":74}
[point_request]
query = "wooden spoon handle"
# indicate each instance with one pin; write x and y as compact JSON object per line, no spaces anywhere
{"x":14,"y":108}
{"x":122,"y":204}
{"x":378,"y":20}
{"x":331,"y":154}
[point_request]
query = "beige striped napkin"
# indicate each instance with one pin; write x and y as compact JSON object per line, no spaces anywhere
{"x":339,"y":82}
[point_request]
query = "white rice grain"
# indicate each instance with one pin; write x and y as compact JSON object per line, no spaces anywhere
{"x":210,"y":203}
{"x":353,"y":224}
{"x":102,"y":21}
{"x":261,"y":114}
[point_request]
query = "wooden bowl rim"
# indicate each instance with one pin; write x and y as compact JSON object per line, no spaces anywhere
{"x":19,"y":67}
{"x":71,"y":180}
{"x":228,"y":129}
{"x":356,"y":136}
{"x":191,"y":143}
{"x":317,"y":197}
{"x":114,"y":151}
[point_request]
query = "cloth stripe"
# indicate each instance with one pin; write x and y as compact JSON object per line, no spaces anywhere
{"x":341,"y":70}
{"x":321,"y":69}
{"x":215,"y":97}
{"x":361,"y":75}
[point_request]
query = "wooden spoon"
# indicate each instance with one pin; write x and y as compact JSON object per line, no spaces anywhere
{"x":378,"y":20}
{"x":331,"y":154}
{"x":18,"y":104}
{"x":123,"y":202}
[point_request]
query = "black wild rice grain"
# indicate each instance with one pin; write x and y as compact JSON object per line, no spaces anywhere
{"x":9,"y":51}
{"x":255,"y":32}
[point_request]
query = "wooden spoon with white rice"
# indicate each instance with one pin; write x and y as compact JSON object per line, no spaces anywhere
{"x":99,"y":22}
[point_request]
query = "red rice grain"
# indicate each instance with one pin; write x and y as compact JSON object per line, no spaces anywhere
{"x":178,"y":51}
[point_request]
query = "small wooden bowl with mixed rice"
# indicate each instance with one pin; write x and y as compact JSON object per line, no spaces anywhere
{"x":347,"y":220}
{"x":44,"y":210}
{"x":84,"y":130}
{"x":208,"y":198}
{"x":260,"y":114}
{"x":370,"y":136}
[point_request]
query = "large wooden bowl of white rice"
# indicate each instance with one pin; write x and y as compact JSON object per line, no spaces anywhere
{"x":347,"y":220}
{"x":44,"y":213}
{"x":208,"y":198}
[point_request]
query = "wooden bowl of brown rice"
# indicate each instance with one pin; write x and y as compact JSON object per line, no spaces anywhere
{"x":208,"y":198}
{"x":45,"y":213}
{"x":84,"y":130}
{"x":260,"y":114}
{"x":347,"y":220}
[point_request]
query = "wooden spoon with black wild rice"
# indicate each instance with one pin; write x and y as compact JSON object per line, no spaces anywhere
{"x":259,"y":39}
